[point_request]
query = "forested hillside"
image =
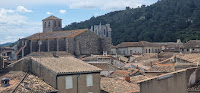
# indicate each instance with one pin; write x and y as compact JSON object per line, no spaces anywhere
{"x":166,"y":20}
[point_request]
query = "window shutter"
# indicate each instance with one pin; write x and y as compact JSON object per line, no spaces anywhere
{"x":69,"y":82}
{"x":89,"y":80}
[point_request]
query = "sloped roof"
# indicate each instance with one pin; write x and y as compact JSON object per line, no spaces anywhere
{"x":136,"y":44}
{"x":65,"y":65}
{"x":192,"y":44}
{"x":51,"y":18}
{"x":192,"y":58}
{"x":57,"y":34}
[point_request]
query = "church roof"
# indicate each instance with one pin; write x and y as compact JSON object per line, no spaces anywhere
{"x":57,"y":34}
{"x":51,"y":17}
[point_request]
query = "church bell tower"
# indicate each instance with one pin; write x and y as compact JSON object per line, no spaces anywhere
{"x":52,"y":24}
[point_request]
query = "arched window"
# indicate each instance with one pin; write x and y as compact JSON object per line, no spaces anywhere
{"x":59,"y":24}
{"x":49,"y":24}
{"x":54,"y":23}
{"x":45,"y":24}
{"x":149,"y":50}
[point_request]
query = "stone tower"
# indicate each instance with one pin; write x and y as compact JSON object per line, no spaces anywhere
{"x":52,"y":24}
{"x":104,"y":31}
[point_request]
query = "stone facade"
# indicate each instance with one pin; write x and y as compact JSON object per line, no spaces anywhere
{"x":103,"y":31}
{"x":77,"y":42}
{"x":51,"y":24}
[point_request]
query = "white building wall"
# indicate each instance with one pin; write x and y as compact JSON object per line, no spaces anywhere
{"x":113,"y":51}
{"x":122,"y":51}
{"x":134,"y":50}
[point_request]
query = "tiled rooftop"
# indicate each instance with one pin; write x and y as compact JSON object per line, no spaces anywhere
{"x":14,"y":77}
{"x":113,"y":85}
{"x":17,"y":79}
{"x":51,"y":17}
{"x":57,"y":34}
{"x":193,"y":58}
{"x":66,"y":65}
{"x":136,"y":44}
{"x":35,"y":85}
{"x":192,"y":44}
{"x":162,"y":68}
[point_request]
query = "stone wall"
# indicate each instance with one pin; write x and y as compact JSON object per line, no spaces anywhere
{"x":62,"y":44}
{"x":49,"y":26}
{"x":44,"y":73}
{"x":52,"y":45}
{"x":86,"y":43}
{"x":106,"y":44}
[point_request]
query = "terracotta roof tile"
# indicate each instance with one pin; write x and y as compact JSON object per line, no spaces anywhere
{"x":113,"y":85}
{"x":136,"y":44}
{"x":35,"y":85}
{"x":57,"y":34}
{"x":68,"y":64}
{"x":51,"y":17}
{"x":193,"y":58}
{"x":192,"y":44}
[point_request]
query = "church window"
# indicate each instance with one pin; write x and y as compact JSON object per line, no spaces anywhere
{"x":59,"y":24}
{"x":49,"y":24}
{"x":45,"y":24}
{"x":54,"y":23}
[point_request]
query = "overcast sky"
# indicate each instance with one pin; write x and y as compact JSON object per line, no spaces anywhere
{"x":21,"y":18}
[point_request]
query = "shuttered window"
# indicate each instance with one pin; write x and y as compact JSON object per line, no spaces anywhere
{"x":69,"y":82}
{"x":89,"y":80}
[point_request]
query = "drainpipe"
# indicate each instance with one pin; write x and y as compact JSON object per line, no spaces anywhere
{"x":77,"y":81}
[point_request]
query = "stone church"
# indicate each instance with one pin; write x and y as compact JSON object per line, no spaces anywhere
{"x":76,"y":42}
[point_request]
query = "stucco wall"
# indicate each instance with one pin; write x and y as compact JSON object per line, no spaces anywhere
{"x":134,"y":50}
{"x":81,"y":84}
{"x":177,"y":83}
{"x":174,"y":84}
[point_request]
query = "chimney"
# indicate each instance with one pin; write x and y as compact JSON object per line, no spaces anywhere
{"x":127,"y":78}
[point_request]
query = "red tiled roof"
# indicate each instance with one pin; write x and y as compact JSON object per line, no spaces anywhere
{"x":51,"y":17}
{"x":136,"y":44}
{"x":57,"y":34}
{"x":192,"y":44}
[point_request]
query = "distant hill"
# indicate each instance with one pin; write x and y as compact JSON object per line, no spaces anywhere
{"x":166,"y":20}
{"x":6,"y":44}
